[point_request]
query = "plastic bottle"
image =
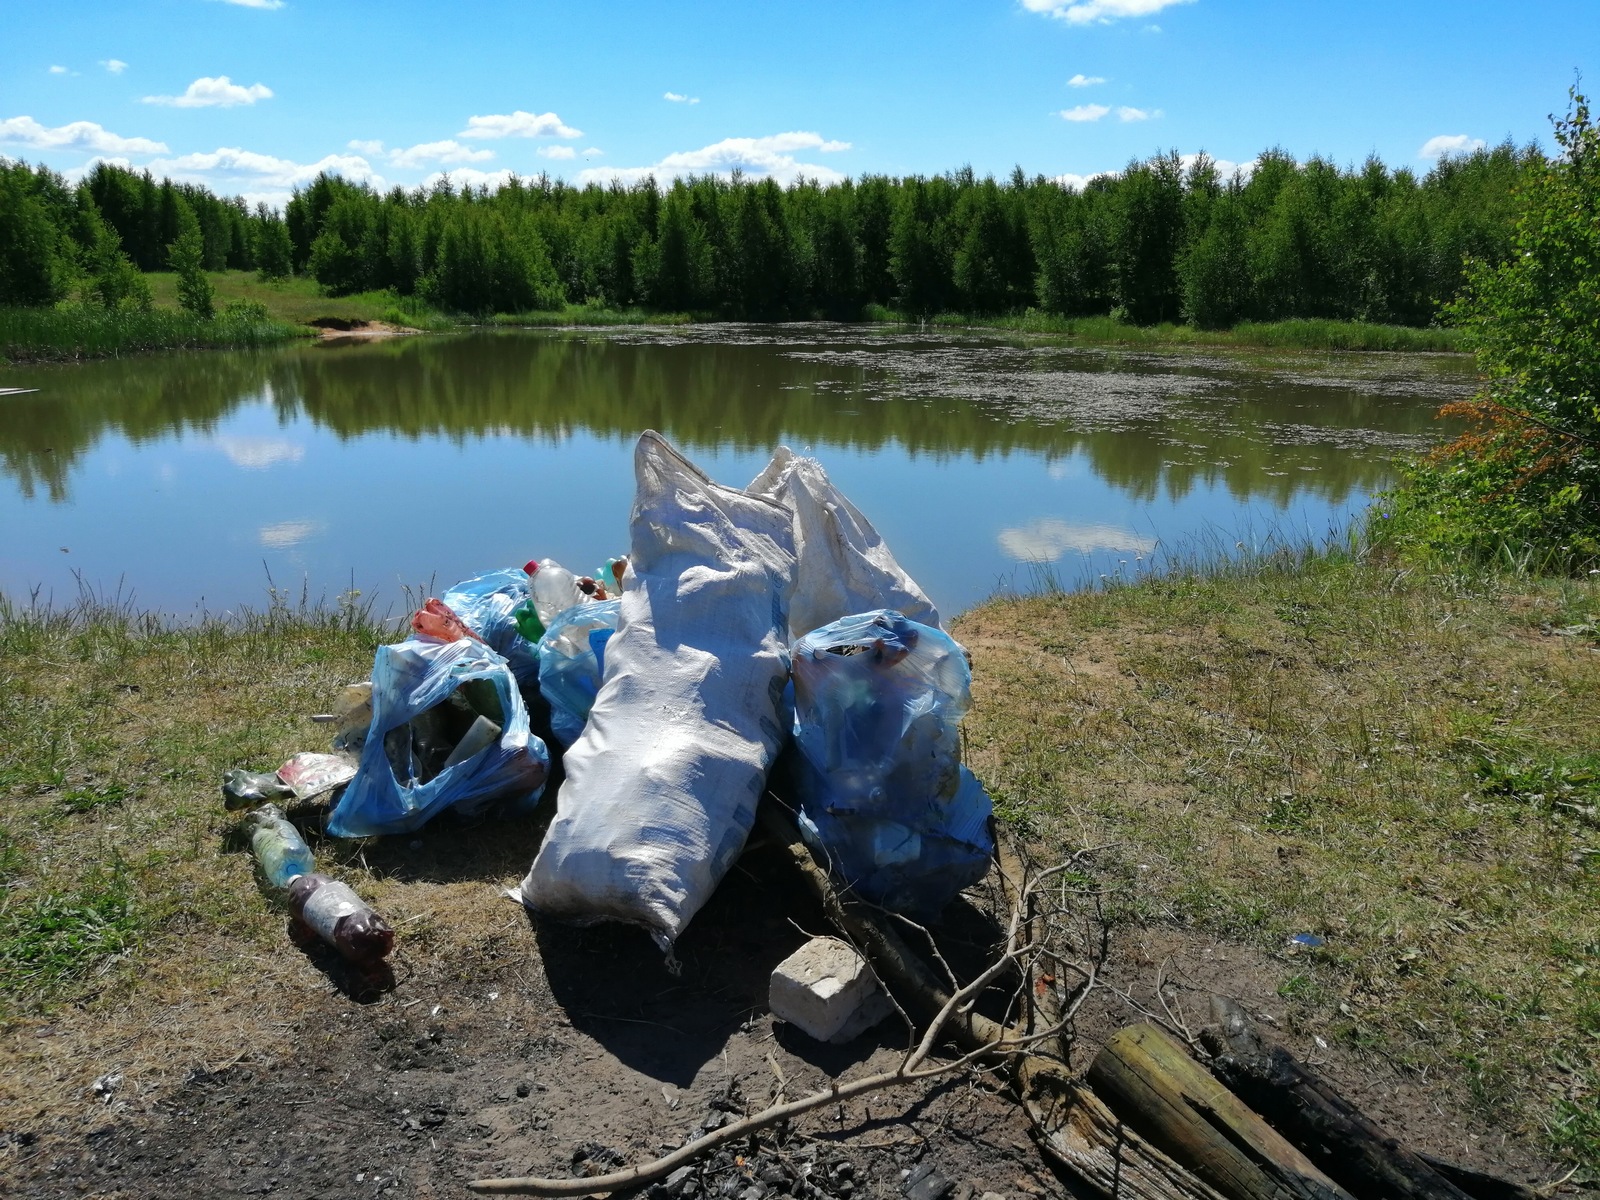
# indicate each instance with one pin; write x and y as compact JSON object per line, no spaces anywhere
{"x":555,"y":589}
{"x":279,"y":849}
{"x":610,"y":574}
{"x":341,"y":918}
{"x":528,"y":623}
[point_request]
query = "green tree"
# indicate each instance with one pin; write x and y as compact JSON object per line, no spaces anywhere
{"x":186,"y":255}
{"x":35,"y":268}
{"x":1527,"y":472}
{"x":274,"y":252}
{"x":112,"y":278}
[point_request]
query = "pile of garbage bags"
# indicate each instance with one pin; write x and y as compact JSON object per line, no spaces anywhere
{"x":743,"y":623}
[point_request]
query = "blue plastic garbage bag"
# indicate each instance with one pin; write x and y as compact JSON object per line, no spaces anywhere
{"x":571,"y":660}
{"x":883,"y":795}
{"x":449,"y":730}
{"x":485,"y":604}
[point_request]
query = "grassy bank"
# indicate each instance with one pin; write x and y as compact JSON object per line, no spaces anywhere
{"x":1400,"y":764}
{"x":82,"y":331}
{"x":301,"y":300}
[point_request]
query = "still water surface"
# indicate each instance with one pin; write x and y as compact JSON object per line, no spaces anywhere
{"x":187,"y":479}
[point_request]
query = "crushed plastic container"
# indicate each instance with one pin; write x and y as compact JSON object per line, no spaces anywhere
{"x":571,"y":661}
{"x":449,"y":730}
{"x":310,"y":773}
{"x":242,"y":789}
{"x":279,"y":850}
{"x":883,"y":795}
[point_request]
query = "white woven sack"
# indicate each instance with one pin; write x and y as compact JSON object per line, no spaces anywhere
{"x":844,"y":566}
{"x":662,"y":785}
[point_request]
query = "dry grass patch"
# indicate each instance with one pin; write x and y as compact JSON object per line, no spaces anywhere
{"x":1404,"y":766}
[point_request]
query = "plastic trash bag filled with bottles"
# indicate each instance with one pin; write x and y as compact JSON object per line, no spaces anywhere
{"x":571,"y":661}
{"x":449,"y":730}
{"x":883,"y":795}
{"x":487,"y":605}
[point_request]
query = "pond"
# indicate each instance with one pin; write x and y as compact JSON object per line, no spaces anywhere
{"x":191,"y":482}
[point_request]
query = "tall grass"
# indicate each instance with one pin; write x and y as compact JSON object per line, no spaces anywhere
{"x":590,"y":314}
{"x":80,"y":331}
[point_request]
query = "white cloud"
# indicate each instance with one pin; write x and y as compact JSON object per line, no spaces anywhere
{"x":1137,"y":114}
{"x":518,"y":124}
{"x":115,"y":65}
{"x":286,"y":534}
{"x":220,"y":92}
{"x":259,"y":453}
{"x":1098,"y":12}
{"x":76,"y":135}
{"x":256,"y":3}
{"x":557,"y":152}
{"x":472,"y":177}
{"x":1226,"y":167}
{"x":76,"y":175}
{"x":1450,"y":143}
{"x":760,"y":158}
{"x":58,"y":70}
{"x":260,"y":176}
{"x":1048,"y":538}
{"x":1085,"y":112}
{"x":1076,"y":183}
{"x":447,"y":151}
{"x":680,"y":99}
{"x":593,"y":152}
{"x":363,"y":146}
{"x":1081,"y":80}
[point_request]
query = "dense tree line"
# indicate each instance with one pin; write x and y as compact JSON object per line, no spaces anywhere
{"x":1166,"y":240}
{"x":97,"y":238}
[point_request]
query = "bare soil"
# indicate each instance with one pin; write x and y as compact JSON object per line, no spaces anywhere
{"x":537,"y":1045}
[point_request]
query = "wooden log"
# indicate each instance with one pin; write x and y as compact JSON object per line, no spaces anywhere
{"x":1151,"y":1082}
{"x":1083,"y":1137}
{"x":1307,"y":1110}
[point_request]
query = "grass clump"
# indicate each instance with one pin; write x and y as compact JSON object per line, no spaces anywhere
{"x":115,"y":728}
{"x":591,"y":314}
{"x":70,"y":331}
{"x":1398,"y":761}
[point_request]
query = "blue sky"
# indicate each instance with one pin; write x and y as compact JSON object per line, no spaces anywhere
{"x":254,"y":96}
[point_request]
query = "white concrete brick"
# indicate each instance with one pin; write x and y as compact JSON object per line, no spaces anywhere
{"x":826,"y":989}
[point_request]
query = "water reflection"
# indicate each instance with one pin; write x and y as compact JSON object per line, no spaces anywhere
{"x":1036,"y":451}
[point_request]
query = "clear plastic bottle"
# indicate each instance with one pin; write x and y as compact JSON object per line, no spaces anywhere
{"x":555,"y":589}
{"x":279,"y":849}
{"x":333,"y":912}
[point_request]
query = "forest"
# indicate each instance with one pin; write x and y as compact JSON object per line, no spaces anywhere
{"x":1168,"y":239}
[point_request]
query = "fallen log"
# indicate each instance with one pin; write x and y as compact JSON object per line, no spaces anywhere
{"x":1077,"y":1132}
{"x":1152,"y":1082}
{"x":1367,"y":1160}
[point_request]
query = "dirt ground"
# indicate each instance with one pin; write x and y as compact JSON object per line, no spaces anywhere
{"x":536,"y":1047}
